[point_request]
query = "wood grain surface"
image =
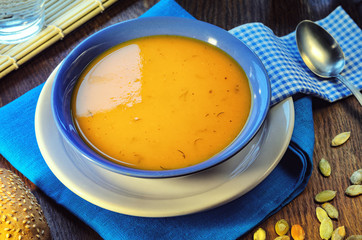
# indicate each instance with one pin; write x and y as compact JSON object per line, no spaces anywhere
{"x":282,"y":16}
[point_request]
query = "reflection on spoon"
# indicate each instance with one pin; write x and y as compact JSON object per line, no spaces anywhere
{"x":322,"y":53}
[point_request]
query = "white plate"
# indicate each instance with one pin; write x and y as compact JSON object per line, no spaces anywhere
{"x":172,"y":196}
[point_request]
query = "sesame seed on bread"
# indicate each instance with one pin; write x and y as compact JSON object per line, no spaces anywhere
{"x":21,"y":216}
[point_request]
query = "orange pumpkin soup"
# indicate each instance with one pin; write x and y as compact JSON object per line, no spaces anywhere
{"x":161,"y":102}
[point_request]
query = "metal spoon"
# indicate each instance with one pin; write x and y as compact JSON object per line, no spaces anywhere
{"x":322,"y":53}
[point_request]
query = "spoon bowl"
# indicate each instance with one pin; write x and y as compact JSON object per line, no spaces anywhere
{"x":322,"y":54}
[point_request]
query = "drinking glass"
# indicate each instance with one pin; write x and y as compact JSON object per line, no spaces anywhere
{"x":20,"y":20}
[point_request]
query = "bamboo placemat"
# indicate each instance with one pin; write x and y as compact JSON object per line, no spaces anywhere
{"x":61,"y":17}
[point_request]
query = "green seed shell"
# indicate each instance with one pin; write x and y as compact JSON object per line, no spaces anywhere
{"x":356,"y":177}
{"x":326,"y":229}
{"x":281,"y":227}
{"x":260,"y":234}
{"x":339,"y":233}
{"x":355,"y":237}
{"x":354,"y":190}
{"x":340,"y":139}
{"x":321,"y":214}
{"x":324,"y":167}
{"x":325,"y":196}
{"x":284,"y":237}
{"x":331,"y":210}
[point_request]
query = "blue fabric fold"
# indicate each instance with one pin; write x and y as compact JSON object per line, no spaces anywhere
{"x":287,"y":72}
{"x":18,"y":145}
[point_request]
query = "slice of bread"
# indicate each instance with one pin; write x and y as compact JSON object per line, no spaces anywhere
{"x":21,"y":216}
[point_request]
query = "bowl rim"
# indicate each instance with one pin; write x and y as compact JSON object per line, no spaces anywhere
{"x":66,"y":128}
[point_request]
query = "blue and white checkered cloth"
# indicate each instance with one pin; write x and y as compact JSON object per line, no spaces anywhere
{"x":287,"y":72}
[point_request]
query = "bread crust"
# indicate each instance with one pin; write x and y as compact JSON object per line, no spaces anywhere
{"x":21,"y":216}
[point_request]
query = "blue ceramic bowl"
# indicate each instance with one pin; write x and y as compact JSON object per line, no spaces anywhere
{"x":86,"y":51}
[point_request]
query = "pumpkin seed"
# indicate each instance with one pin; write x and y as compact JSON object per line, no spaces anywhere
{"x":339,"y":233}
{"x":331,"y":210}
{"x":324,"y":167}
{"x":260,"y":234}
{"x":355,"y":237}
{"x":340,"y":139}
{"x":356,"y":177}
{"x":281,"y":227}
{"x":325,"y":196}
{"x":297,"y":232}
{"x":321,"y":214}
{"x":354,"y":190}
{"x":284,"y":237}
{"x":326,"y":228}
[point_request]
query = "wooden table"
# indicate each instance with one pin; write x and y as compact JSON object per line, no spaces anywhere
{"x":282,"y":17}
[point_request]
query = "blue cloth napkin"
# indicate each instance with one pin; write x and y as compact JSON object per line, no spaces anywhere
{"x":287,"y":72}
{"x":18,"y":145}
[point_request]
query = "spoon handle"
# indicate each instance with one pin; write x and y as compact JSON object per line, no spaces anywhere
{"x":353,"y":89}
